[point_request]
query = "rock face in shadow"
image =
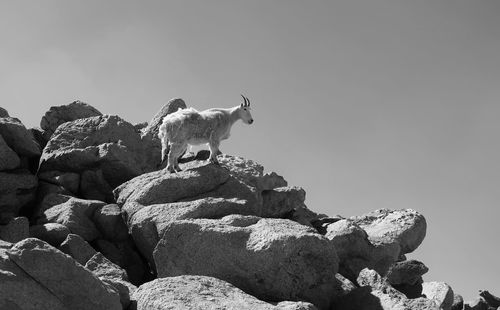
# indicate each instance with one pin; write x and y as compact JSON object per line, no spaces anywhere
{"x":273,"y":259}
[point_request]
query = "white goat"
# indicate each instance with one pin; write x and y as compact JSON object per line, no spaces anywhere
{"x":188,"y":126}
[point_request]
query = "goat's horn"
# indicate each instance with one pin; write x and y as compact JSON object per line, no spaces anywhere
{"x":248,"y":102}
{"x":245,"y":104}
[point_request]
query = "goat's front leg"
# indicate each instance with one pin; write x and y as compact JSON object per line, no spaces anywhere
{"x":214,"y":149}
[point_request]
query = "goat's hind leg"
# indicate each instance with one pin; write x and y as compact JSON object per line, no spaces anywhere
{"x":182,"y":150}
{"x":175,"y":150}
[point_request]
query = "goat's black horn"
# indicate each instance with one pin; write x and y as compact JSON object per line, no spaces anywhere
{"x":246,"y":104}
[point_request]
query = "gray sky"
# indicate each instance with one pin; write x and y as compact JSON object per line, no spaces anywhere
{"x":366,"y":104}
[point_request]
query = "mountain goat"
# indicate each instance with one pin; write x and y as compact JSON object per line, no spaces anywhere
{"x":188,"y":126}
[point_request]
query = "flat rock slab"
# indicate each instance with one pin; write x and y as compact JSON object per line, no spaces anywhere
{"x":200,"y":293}
{"x":75,"y":286}
{"x":272,"y":259}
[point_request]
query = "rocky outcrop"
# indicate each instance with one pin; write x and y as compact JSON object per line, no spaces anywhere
{"x":213,"y":236}
{"x":201,"y":292}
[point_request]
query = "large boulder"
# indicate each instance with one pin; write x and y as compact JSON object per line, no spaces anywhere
{"x":76,"y":214}
{"x":18,"y":290}
{"x":357,"y":252}
{"x":492,"y":300}
{"x":405,"y":227}
{"x":199,"y":293}
{"x":17,"y":190}
{"x":439,"y":292}
{"x":375,"y":293}
{"x":73,"y":285}
{"x":272,"y":259}
{"x":102,"y":142}
{"x":237,"y":186}
{"x":58,"y":115}
{"x":18,"y":138}
{"x":8,"y":158}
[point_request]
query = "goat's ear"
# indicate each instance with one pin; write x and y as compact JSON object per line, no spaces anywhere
{"x":241,"y":105}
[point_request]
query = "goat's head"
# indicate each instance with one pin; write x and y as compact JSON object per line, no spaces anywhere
{"x":245,"y":111}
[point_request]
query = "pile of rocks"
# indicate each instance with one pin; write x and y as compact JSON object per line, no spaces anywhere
{"x":89,"y":220}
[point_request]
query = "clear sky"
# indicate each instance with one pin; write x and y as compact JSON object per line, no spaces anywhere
{"x":366,"y":104}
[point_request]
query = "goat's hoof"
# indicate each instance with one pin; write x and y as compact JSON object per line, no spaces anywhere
{"x":177,"y":169}
{"x":171,"y":169}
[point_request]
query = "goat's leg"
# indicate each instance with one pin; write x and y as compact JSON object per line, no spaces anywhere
{"x":175,"y":150}
{"x":214,"y":149}
{"x":182,"y":150}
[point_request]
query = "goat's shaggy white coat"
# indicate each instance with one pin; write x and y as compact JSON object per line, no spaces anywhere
{"x":190,"y":127}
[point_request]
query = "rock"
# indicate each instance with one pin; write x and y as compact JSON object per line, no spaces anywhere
{"x":478,"y":304}
{"x":16,"y":286}
{"x":18,"y":138}
{"x":95,"y":187}
{"x":41,"y":137}
{"x":53,"y":233}
{"x":151,"y":130}
{"x":17,"y":190}
{"x":77,"y":248}
{"x":439,"y":292}
{"x":272,"y":259}
{"x":458,"y":302}
{"x":375,"y":293}
{"x":70,"y":181}
{"x":406,"y":227}
{"x":163,"y":187}
{"x":492,"y":300}
{"x":113,"y":275}
{"x":406,"y":277}
{"x":149,"y":223}
{"x":287,"y":202}
{"x":125,"y":255}
{"x":102,"y":142}
{"x":58,"y":115}
{"x":8,"y":158}
{"x":153,"y":127}
{"x":74,"y":213}
{"x":356,"y":252}
{"x":3,"y":112}
{"x":199,"y":293}
{"x":75,"y":286}
{"x":108,"y":220}
{"x":16,"y":230}
{"x":406,"y":272}
{"x":344,"y":286}
{"x":5,"y":245}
